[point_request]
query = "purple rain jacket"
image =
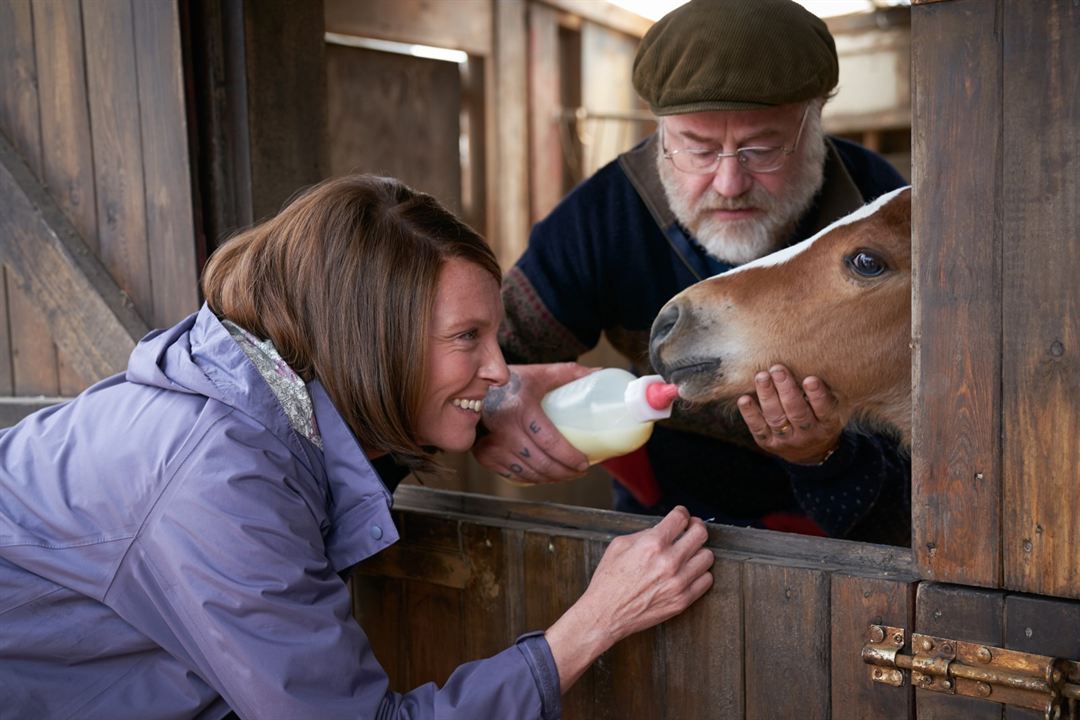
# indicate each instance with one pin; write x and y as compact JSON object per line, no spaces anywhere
{"x":170,"y":548}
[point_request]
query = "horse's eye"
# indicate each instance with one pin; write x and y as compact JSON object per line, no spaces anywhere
{"x":867,"y":264}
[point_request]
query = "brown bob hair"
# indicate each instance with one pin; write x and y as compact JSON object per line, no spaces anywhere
{"x":343,"y":281}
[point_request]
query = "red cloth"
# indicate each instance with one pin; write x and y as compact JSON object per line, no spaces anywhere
{"x":793,"y":523}
{"x":635,"y":473}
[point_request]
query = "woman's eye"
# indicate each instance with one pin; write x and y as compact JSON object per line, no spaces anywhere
{"x":867,"y":264}
{"x":468,"y":335}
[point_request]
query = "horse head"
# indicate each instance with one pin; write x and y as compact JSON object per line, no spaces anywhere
{"x":837,"y":306}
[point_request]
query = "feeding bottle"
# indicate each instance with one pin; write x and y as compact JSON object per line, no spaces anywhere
{"x":609,"y":412}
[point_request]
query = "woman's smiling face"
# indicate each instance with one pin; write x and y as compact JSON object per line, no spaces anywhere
{"x":463,"y":359}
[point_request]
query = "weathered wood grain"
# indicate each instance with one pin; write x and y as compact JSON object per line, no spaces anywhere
{"x":170,"y":231}
{"x":555,"y":575}
{"x":787,"y":647}
{"x":605,"y":524}
{"x":1041,"y":297}
{"x":113,"y":91}
{"x":857,"y":602}
{"x":508,"y":162}
{"x":1044,"y":626}
{"x":14,"y":409}
{"x":702,"y":675}
{"x":545,"y":141}
{"x":285,"y":79}
{"x":68,"y":163}
{"x":958,"y":613}
{"x":92,"y":319}
{"x":31,"y":363}
{"x":956,"y":266}
{"x":460,"y":25}
{"x":412,"y":105}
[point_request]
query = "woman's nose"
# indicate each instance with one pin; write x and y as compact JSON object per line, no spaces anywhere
{"x":494,"y":370}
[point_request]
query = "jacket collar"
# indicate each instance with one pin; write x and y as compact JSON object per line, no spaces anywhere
{"x":359,"y":503}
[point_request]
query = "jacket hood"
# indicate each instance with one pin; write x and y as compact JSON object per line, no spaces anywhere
{"x":198,"y":356}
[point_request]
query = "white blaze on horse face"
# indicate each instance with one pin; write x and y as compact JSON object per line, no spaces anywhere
{"x":809,"y":308}
{"x":782,"y":256}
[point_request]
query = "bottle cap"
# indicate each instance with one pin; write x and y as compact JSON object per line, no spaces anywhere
{"x":650,"y":398}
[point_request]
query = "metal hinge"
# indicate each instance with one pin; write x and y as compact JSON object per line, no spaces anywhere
{"x":1038,"y":682}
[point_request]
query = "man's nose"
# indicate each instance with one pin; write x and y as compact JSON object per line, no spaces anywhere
{"x":731,"y":179}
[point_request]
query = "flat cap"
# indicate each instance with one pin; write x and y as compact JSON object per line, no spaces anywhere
{"x":734,"y":55}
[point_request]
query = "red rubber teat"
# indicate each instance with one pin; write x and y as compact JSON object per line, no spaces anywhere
{"x":660,"y":395}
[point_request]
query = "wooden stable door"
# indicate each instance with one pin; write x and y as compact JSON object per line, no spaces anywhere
{"x":779,"y":635}
{"x":980,"y":618}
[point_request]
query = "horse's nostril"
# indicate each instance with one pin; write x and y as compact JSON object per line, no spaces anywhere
{"x":663,"y":324}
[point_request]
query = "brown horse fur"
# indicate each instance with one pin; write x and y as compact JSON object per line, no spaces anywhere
{"x":809,"y":308}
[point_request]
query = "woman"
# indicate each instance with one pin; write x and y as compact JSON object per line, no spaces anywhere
{"x":171,"y":540}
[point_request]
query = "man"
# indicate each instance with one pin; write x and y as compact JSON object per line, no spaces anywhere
{"x":738,"y":168}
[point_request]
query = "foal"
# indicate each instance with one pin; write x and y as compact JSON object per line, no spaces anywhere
{"x":837,"y":306}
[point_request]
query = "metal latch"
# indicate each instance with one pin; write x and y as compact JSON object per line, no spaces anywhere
{"x":1038,"y":682}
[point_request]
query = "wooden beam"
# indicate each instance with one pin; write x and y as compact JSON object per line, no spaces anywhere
{"x":170,"y":231}
{"x":606,"y":14}
{"x":460,"y":25}
{"x":285,"y":68}
{"x":14,"y":409}
{"x":508,"y":171}
{"x":956,"y":470}
{"x":90,"y":318}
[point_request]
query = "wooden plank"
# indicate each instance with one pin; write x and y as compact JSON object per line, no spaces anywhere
{"x":12,"y":410}
{"x":610,"y":16}
{"x":602,"y":674}
{"x":1044,"y":626}
{"x":7,"y":378}
{"x":856,"y":604}
{"x":545,"y":89}
{"x":485,"y":611}
{"x":412,"y":105}
{"x":379,"y":607}
{"x":607,"y":89}
{"x":92,"y":319}
{"x":435,"y":600}
{"x":436,"y":632}
{"x":166,"y":163}
{"x":32,"y":362}
{"x":787,"y":649}
{"x":956,"y":264}
{"x":473,"y":169}
{"x":555,"y":576}
{"x":958,"y":613}
{"x":65,"y":115}
{"x":702,"y":676}
{"x":19,"y":119}
{"x":459,"y":25}
{"x":68,"y":164}
{"x":508,"y":165}
{"x":605,"y":524}
{"x":215,"y":32}
{"x":1041,"y":298}
{"x":409,"y":562}
{"x":112,"y":86}
{"x":286,"y":100}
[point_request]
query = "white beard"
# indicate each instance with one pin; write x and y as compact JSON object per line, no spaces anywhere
{"x":740,"y":241}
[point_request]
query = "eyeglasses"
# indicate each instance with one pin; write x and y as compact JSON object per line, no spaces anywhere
{"x":755,"y":159}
